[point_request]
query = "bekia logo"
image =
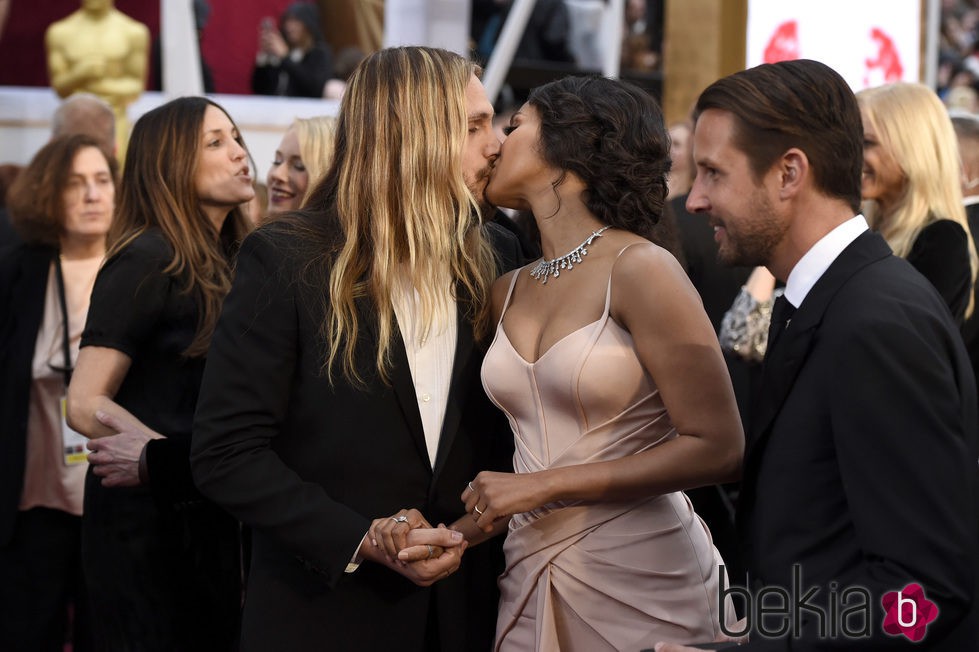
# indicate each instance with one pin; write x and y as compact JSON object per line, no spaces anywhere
{"x":825,"y":612}
{"x":908,"y":612}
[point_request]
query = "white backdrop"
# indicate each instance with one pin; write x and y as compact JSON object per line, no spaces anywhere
{"x":869,"y":42}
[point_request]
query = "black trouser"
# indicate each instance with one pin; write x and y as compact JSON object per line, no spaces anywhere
{"x":41,"y":584}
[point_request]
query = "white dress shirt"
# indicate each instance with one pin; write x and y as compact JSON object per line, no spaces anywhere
{"x":820,"y":256}
{"x":430,"y":358}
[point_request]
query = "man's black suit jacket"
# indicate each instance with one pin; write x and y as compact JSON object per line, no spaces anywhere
{"x":308,"y":465}
{"x":861,"y":463}
{"x":970,"y":331}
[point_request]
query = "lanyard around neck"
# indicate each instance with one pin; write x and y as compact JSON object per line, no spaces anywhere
{"x":66,"y":346}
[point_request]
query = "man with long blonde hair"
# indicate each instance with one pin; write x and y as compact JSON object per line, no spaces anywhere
{"x":341,"y":407}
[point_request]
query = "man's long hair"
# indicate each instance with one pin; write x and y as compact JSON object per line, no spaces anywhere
{"x":157,"y":190}
{"x":397,"y":191}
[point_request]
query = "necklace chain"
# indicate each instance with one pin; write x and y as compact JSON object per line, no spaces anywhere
{"x":553,"y":267}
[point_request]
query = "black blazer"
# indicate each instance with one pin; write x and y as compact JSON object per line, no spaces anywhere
{"x":941,"y":254}
{"x":23,"y":280}
{"x":861,"y":463}
{"x":970,"y":331}
{"x":308,"y":465}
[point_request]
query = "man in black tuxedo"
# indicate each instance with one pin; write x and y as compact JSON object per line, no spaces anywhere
{"x":860,"y":472}
{"x":341,"y":405}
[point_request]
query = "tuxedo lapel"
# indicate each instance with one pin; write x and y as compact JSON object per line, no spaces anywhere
{"x":458,"y":388}
{"x":782,"y":365}
{"x":784,"y":362}
{"x":401,"y":381}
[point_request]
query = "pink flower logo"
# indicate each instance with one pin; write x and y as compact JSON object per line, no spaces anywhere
{"x":908,"y":612}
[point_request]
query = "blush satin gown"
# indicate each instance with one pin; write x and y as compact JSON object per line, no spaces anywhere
{"x":605,"y":575}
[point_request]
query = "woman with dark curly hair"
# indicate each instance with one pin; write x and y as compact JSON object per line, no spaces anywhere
{"x":614,"y":385}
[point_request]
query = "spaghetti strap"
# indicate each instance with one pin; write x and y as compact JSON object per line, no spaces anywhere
{"x":506,"y":302}
{"x":608,"y":290}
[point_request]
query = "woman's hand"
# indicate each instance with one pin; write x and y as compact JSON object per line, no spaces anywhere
{"x":390,"y":533}
{"x":492,"y":496}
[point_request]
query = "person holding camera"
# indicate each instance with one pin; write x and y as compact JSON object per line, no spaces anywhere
{"x":293,"y":59}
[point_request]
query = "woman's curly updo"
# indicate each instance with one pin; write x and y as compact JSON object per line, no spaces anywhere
{"x":610,"y":134}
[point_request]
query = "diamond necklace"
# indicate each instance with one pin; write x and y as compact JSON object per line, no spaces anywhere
{"x":574,"y":257}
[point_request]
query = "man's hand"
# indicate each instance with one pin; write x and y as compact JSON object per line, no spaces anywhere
{"x":422,"y":554}
{"x":115,"y":459}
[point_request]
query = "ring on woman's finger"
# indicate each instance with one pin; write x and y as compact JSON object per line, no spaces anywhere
{"x":431,"y":551}
{"x":400,"y":519}
{"x":477,"y":510}
{"x":471,"y":487}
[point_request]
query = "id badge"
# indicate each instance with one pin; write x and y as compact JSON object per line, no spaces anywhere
{"x":72,"y":442}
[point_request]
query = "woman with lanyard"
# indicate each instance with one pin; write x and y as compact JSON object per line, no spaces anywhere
{"x":61,"y":206}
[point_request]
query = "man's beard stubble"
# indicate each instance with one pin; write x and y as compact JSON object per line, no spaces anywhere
{"x":756,"y":237}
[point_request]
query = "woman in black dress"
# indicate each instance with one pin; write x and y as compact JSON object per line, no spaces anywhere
{"x":162,"y":564}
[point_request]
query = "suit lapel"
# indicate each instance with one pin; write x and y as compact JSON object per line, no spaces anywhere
{"x":458,"y":387}
{"x":401,"y":382}
{"x":785,"y":361}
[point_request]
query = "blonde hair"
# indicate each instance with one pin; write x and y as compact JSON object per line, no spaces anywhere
{"x":315,"y":136}
{"x":398,"y":194}
{"x":913,"y":125}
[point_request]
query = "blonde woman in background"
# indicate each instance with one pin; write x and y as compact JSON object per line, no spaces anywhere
{"x":301,"y":160}
{"x":911,"y":187}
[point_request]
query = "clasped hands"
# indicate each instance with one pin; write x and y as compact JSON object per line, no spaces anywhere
{"x":409,"y":545}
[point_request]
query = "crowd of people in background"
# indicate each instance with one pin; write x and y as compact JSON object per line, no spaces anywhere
{"x":294,"y":58}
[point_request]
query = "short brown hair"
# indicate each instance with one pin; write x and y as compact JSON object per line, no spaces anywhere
{"x":803,"y":104}
{"x":36,"y":200}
